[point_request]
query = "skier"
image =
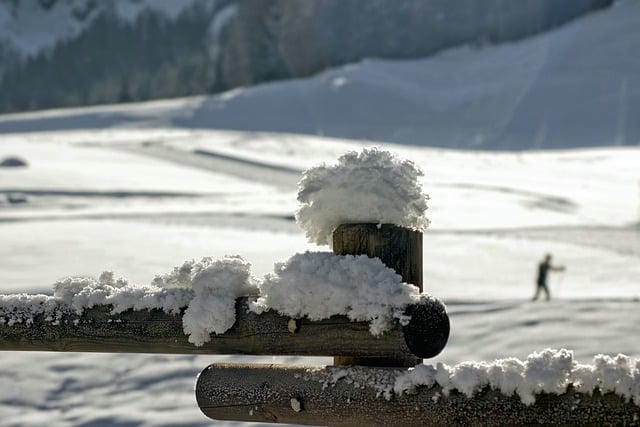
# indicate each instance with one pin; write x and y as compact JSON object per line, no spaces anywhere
{"x":543,"y":271}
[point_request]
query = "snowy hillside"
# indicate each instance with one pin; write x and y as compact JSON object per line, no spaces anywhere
{"x":31,"y":27}
{"x":56,"y":53}
{"x":573,"y":87}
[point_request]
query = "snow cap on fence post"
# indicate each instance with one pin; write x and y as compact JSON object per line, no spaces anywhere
{"x":370,"y":203}
{"x":372,"y":186}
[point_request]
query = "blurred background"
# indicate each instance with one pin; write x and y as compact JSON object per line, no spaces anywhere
{"x":136,"y":134}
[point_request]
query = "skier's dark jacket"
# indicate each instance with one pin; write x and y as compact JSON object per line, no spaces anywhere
{"x":543,"y":271}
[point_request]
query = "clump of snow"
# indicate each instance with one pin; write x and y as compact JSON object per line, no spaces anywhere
{"x":22,"y":308}
{"x":82,"y":293}
{"x":182,"y":276}
{"x":75,"y":294}
{"x":370,"y":186}
{"x":216,"y":288}
{"x":319,"y":285}
{"x":208,"y":288}
{"x":469,"y":377}
{"x":548,"y":371}
{"x":421,"y":375}
{"x":619,"y":374}
{"x":507,"y":375}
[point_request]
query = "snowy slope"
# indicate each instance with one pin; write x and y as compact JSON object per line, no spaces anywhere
{"x":574,"y":86}
{"x":87,"y":52}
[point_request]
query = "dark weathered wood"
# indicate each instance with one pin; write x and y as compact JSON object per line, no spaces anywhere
{"x":264,"y":393}
{"x":398,"y":248}
{"x":157,"y":332}
{"x":428,"y":331}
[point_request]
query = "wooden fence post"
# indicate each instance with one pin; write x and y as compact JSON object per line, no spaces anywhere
{"x":398,"y":248}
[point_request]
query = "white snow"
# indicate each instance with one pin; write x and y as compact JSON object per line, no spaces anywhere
{"x":208,"y":288}
{"x":82,"y":293}
{"x":319,"y":285}
{"x":370,"y":186}
{"x":92,"y":169}
{"x":216,"y":288}
{"x":21,"y":308}
{"x":182,"y":276}
{"x":316,"y":285}
{"x":547,"y":371}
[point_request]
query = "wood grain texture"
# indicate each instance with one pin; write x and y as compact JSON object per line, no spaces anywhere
{"x":263,"y":393}
{"x":398,"y":248}
{"x":153,"y":331}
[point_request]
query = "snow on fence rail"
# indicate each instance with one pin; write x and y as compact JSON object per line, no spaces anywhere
{"x":316,"y":304}
{"x":357,"y":396}
{"x":98,"y":329}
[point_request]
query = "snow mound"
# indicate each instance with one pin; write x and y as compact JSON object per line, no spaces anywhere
{"x":22,"y":308}
{"x":82,"y":293}
{"x":372,"y":186}
{"x":208,"y":288}
{"x":319,"y":285}
{"x":548,"y":371}
{"x":313,"y":284}
{"x":182,"y":276}
{"x":77,"y":294}
{"x":216,"y":288}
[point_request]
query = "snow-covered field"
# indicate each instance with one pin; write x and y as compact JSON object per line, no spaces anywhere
{"x":139,"y":202}
{"x":138,"y":189}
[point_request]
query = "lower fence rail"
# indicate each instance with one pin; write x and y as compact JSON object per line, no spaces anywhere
{"x":357,"y":396}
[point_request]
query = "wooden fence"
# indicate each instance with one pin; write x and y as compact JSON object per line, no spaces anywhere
{"x":270,"y":393}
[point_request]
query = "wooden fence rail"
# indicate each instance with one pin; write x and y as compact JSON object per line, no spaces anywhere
{"x":268,"y":393}
{"x":320,"y":396}
{"x":153,"y":331}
